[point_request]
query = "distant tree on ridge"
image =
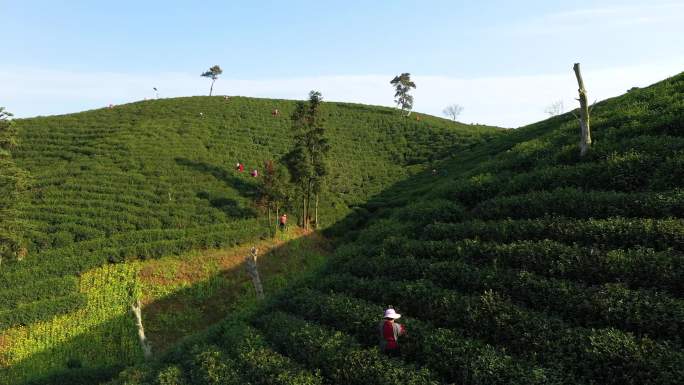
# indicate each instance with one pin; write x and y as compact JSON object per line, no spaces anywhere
{"x":554,"y":109}
{"x":402,"y":85}
{"x":213,"y":73}
{"x":7,"y":140}
{"x":453,"y":111}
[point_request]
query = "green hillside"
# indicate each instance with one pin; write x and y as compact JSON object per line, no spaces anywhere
{"x":156,"y":178}
{"x":518,"y":263}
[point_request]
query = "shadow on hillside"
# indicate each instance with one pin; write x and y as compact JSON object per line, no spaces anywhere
{"x":229,"y":206}
{"x":183,"y":313}
{"x":209,"y":301}
{"x":243,"y":187}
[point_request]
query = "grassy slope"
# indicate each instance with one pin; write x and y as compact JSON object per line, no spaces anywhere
{"x":518,"y":264}
{"x":156,"y":178}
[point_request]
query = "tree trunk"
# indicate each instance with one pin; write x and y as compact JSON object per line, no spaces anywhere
{"x":585,"y":136}
{"x":269,"y":219}
{"x":304,"y":210}
{"x":211,"y":89}
{"x":253,"y":272}
{"x":316,"y":215}
{"x":144,"y":344}
{"x":308,"y":204}
{"x":277,"y":218}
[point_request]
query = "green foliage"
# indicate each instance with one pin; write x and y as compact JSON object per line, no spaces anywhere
{"x":307,"y":158}
{"x":468,"y":359}
{"x":210,"y":367}
{"x":339,"y":357}
{"x":403,"y":85}
{"x":7,"y":132}
{"x":171,"y":375}
{"x":213,"y":74}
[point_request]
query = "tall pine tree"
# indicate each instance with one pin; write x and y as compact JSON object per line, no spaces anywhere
{"x":307,"y":159}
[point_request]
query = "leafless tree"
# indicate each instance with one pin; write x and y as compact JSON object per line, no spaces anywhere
{"x":585,"y":111}
{"x":556,"y":108}
{"x":453,"y":111}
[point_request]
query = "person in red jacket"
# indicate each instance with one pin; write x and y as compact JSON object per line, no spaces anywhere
{"x":240,"y":167}
{"x":390,"y":332}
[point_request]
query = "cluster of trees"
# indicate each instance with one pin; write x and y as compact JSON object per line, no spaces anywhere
{"x":302,"y":171}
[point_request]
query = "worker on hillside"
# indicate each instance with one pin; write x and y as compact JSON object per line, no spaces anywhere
{"x":240,"y":167}
{"x":390,"y":332}
{"x":283,"y":222}
{"x":275,"y":112}
{"x":254,"y":173}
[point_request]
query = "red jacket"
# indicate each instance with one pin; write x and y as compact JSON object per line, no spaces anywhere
{"x":389,"y":332}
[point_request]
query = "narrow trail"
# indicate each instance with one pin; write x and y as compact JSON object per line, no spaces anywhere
{"x":183,"y":295}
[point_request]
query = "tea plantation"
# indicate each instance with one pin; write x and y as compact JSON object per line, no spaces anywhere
{"x":517,"y":263}
{"x":87,"y":196}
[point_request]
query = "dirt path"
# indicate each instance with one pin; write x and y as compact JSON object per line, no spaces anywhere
{"x":185,"y":294}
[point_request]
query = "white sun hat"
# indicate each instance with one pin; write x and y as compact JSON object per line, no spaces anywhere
{"x":390,"y":313}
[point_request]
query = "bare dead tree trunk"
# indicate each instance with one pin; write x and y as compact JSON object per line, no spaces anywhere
{"x":253,"y":272}
{"x":585,"y":137}
{"x":144,"y":344}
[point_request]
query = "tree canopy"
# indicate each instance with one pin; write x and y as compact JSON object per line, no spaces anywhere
{"x":402,"y":85}
{"x":213,"y":73}
{"x":306,"y":161}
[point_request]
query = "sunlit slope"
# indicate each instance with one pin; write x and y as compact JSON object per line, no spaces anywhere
{"x":518,"y":263}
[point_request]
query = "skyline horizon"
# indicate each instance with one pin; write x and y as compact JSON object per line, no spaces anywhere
{"x":503,"y":62}
{"x":274,"y":88}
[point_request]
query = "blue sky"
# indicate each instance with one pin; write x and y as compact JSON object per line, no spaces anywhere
{"x":59,"y":58}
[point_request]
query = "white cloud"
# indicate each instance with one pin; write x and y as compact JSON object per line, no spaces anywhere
{"x":602,"y":18}
{"x":504,"y":101}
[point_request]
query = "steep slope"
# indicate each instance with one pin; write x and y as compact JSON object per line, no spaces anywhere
{"x":518,"y":263}
{"x":157,"y":178}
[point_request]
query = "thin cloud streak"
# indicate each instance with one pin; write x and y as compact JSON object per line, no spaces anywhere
{"x":601,"y":18}
{"x":502,"y":101}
